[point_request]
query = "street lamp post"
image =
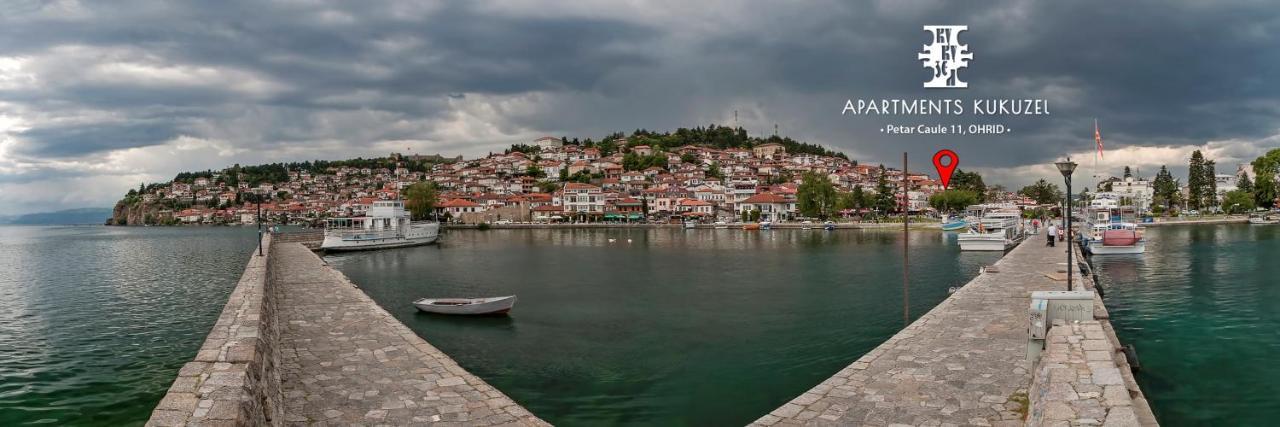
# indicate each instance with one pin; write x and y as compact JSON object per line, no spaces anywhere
{"x":1067,"y":167}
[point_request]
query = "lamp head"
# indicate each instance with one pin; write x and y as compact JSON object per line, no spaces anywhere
{"x":1066,"y":167}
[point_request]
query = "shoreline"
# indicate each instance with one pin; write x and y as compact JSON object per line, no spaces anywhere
{"x":1224,"y":220}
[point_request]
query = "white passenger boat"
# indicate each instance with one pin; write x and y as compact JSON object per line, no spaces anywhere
{"x":474,"y":306}
{"x":996,"y":230}
{"x":1109,"y":233}
{"x":1263,"y":220}
{"x":387,"y":225}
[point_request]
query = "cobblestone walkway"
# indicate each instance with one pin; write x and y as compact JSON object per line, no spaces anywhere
{"x":346,"y":361}
{"x":962,"y":363}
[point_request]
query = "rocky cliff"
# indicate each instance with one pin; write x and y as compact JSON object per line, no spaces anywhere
{"x":132,"y":213}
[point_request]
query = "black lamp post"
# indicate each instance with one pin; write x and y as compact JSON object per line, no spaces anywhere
{"x":1067,"y":167}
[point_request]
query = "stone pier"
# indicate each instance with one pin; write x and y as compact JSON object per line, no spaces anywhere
{"x":299,"y":344}
{"x":962,"y":363}
{"x":347,"y":361}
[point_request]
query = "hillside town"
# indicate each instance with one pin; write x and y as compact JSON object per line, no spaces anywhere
{"x":620,"y":179}
{"x":546,"y":180}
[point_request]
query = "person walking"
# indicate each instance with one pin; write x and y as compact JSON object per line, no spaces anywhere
{"x":1053,"y":233}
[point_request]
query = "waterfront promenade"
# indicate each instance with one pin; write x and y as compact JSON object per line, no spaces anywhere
{"x":347,"y":361}
{"x":962,"y":363}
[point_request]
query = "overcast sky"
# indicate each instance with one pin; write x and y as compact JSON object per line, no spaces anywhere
{"x":98,"y":97}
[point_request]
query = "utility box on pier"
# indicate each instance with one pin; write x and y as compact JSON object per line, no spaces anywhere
{"x":1047,"y":306}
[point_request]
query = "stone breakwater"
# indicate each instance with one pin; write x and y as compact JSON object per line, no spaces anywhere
{"x":234,"y":378}
{"x":299,"y":344}
{"x":965,"y":361}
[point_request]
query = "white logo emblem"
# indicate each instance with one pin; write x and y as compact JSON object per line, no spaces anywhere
{"x":946,"y":56}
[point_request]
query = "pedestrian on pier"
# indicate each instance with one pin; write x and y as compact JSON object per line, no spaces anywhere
{"x":1053,"y":233}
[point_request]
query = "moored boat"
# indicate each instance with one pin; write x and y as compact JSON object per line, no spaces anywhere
{"x":466,"y":306}
{"x":1108,"y":232}
{"x":955,"y":225}
{"x":997,"y":230}
{"x":1263,"y":220}
{"x":828,"y":226}
{"x":386,"y":226}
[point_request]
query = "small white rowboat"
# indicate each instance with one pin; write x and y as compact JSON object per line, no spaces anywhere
{"x":494,"y":305}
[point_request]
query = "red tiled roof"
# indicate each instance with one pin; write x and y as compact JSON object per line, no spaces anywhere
{"x":580,"y":186}
{"x":765,"y":198}
{"x":458,"y":203}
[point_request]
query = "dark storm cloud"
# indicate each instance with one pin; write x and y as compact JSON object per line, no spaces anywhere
{"x":63,"y":141}
{"x":1155,"y":73}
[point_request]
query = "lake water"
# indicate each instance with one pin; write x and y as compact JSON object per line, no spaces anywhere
{"x":95,"y":321}
{"x":667,"y":326}
{"x":1202,"y":307}
{"x":675,"y":327}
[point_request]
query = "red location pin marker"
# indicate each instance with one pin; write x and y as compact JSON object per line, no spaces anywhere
{"x":945,"y":170}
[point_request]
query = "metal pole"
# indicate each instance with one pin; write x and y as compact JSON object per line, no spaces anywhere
{"x":1070,"y":239}
{"x":906,"y":218}
{"x":259,"y":199}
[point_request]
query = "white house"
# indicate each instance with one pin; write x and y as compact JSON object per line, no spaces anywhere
{"x":772,"y":207}
{"x":582,"y":198}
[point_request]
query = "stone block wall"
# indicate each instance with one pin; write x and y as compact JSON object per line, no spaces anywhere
{"x":1077,"y":381}
{"x":233,"y":379}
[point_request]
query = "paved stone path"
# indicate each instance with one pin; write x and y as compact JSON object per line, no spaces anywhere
{"x":962,"y":363}
{"x":346,"y":361}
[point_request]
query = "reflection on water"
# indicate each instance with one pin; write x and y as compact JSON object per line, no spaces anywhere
{"x":663,"y":327}
{"x":96,"y":321}
{"x":1202,"y":306}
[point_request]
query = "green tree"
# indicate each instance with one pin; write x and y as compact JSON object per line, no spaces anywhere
{"x":858,"y":197}
{"x":1264,"y":184}
{"x":755,"y":215}
{"x":535,"y":171}
{"x":689,"y":158}
{"x":952,"y":200}
{"x":1210,"y":178}
{"x":1043,"y":192}
{"x":713,"y":171}
{"x":1165,"y":189}
{"x":1196,"y":186}
{"x":1244,"y":184}
{"x":884,"y":199}
{"x":970,"y":181}
{"x":816,"y":196}
{"x":420,"y":198}
{"x":1237,"y":201}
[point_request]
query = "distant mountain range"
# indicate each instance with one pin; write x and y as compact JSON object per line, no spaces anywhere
{"x":65,"y":217}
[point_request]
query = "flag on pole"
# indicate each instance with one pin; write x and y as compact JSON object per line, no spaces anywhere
{"x":1097,"y":137}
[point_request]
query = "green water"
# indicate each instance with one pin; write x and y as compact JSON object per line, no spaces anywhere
{"x":673,"y":327}
{"x":95,"y":321}
{"x":1202,"y":306}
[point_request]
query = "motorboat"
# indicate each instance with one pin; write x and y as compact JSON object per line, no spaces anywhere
{"x":1108,"y":233}
{"x":828,"y":226}
{"x":386,"y":225}
{"x":721,"y":224}
{"x":1258,"y":219}
{"x":765,"y":225}
{"x":955,"y":224}
{"x":466,"y":306}
{"x":996,"y":230}
{"x":690,"y":224}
